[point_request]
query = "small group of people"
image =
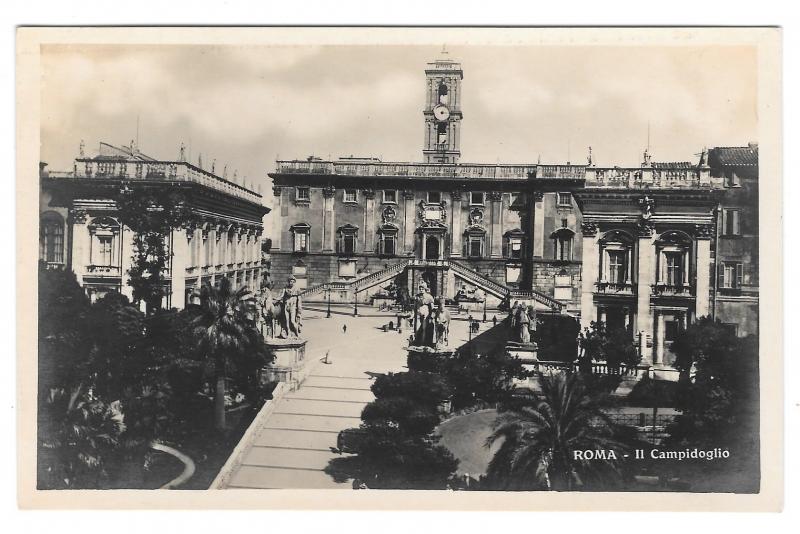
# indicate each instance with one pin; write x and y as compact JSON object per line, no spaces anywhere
{"x":523,"y":322}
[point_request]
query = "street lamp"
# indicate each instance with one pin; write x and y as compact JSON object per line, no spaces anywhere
{"x":355,"y":303}
{"x":484,"y":310}
{"x":328,"y":316}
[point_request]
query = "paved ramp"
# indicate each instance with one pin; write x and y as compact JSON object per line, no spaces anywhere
{"x":293,"y":447}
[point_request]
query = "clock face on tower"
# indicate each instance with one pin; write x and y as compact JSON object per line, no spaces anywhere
{"x":441,"y":113}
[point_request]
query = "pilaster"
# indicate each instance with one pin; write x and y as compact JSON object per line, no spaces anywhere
{"x":456,"y":230}
{"x":408,"y":226}
{"x":180,"y":260}
{"x":703,"y":268}
{"x":645,"y":277}
{"x":496,"y":199}
{"x":328,"y":219}
{"x":538,"y":224}
{"x":80,"y":242}
{"x":277,"y":220}
{"x":369,"y":220}
{"x":589,"y":273}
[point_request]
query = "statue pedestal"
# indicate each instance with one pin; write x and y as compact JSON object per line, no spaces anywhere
{"x":289,"y":364}
{"x":523,"y":351}
{"x":424,"y":358}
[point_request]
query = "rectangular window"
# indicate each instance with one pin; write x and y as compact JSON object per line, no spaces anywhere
{"x":104,"y":250}
{"x":475,"y":247}
{"x":732,"y":275}
{"x":564,"y":248}
{"x":388,"y":245}
{"x":303,"y":194}
{"x":730,"y":222}
{"x":349,"y":243}
{"x":515,"y":248}
{"x":565,"y":199}
{"x":390,"y":196}
{"x":434,"y":197}
{"x":476,"y":198}
{"x":616,"y":266}
{"x":350,"y":195}
{"x":301,"y":242}
{"x":674,"y":262}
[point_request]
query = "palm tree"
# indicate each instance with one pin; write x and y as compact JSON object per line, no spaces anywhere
{"x":221,"y":331}
{"x":539,"y":440}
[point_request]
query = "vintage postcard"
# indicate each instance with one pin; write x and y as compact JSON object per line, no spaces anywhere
{"x":400,"y":268}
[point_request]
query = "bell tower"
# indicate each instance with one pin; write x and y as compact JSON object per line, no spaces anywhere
{"x":443,"y":111}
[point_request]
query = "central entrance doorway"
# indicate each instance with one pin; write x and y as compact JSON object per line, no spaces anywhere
{"x":432,"y":247}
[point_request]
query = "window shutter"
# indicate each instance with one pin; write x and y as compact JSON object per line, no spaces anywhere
{"x":725,"y":230}
{"x":735,"y":224}
{"x":739,"y":275}
{"x":721,"y":279}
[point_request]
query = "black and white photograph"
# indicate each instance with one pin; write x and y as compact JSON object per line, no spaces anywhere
{"x":520,"y":262}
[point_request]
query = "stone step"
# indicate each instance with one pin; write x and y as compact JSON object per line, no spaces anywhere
{"x":280,"y":457}
{"x":323,"y":423}
{"x":249,"y":476}
{"x":349,"y":395}
{"x":319,"y":407}
{"x":298,"y":439}
{"x":338,"y":382}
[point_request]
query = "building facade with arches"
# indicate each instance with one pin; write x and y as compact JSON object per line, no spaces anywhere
{"x":80,"y":227}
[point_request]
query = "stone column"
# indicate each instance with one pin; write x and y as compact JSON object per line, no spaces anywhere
{"x":80,"y":242}
{"x":180,"y":260}
{"x":496,"y":249}
{"x":369,"y":221}
{"x":408,"y":225}
{"x":703,"y":234}
{"x":645,"y":277}
{"x":589,"y":273}
{"x":538,"y":224}
{"x":659,"y":341}
{"x":455,"y":224}
{"x":277,"y":219}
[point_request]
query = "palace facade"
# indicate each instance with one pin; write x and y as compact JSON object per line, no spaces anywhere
{"x":633,"y":247}
{"x":80,"y":228}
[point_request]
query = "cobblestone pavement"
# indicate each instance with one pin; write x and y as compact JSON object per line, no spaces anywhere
{"x":295,"y":443}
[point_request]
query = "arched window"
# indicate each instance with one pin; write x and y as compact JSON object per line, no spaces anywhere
{"x":444,"y":97}
{"x":300,"y":237}
{"x":616,"y":257}
{"x":51,"y":238}
{"x":231,"y":245}
{"x":562,"y":244}
{"x":474,"y":242}
{"x":346,"y":239}
{"x":674,"y":251}
{"x":387,"y":244}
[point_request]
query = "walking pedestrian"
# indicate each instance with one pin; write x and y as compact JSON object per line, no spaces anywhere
{"x":494,"y":320}
{"x":344,"y":329}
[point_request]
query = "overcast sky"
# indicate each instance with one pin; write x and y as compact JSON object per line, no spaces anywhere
{"x":245,"y":106}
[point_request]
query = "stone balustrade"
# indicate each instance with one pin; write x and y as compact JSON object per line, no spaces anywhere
{"x":174,"y":171}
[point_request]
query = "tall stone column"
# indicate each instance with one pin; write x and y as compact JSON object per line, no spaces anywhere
{"x":703,"y":234}
{"x":408,"y":224}
{"x":456,"y":229}
{"x":328,"y":219}
{"x":645,"y":277}
{"x":589,"y":273}
{"x":538,"y":224}
{"x":180,"y":260}
{"x":496,"y":249}
{"x":277,"y":219}
{"x":369,"y":220}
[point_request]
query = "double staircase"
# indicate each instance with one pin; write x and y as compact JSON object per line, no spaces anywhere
{"x":460,"y":270}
